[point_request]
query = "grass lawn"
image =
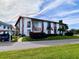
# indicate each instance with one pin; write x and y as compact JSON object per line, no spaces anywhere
{"x":62,"y":37}
{"x":56,"y":52}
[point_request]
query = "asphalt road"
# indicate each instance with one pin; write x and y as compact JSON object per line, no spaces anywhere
{"x":8,"y":46}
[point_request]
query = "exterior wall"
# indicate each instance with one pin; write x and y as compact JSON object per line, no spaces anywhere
{"x":57,"y":28}
{"x":52,"y":26}
{"x":6,"y":29}
{"x":17,"y":28}
{"x":25,"y":26}
{"x":45,"y":27}
{"x":1,"y":27}
{"x":21,"y":26}
{"x":26,"y":29}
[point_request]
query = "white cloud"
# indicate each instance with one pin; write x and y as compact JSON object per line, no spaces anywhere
{"x":11,"y":9}
{"x":52,"y":5}
{"x":65,"y":13}
{"x":71,"y":21}
{"x":71,"y":2}
{"x":55,"y":4}
{"x":67,"y":20}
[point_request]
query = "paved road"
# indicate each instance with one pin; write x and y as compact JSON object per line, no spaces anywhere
{"x":7,"y":46}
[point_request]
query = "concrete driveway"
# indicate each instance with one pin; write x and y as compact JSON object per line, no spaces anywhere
{"x":7,"y":46}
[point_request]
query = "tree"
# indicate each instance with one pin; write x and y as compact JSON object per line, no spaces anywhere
{"x":66,"y":26}
{"x":75,"y":31}
{"x":62,"y":27}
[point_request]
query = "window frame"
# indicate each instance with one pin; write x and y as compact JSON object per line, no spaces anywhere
{"x":28,"y":24}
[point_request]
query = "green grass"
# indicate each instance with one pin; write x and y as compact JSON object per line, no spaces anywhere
{"x":62,"y":37}
{"x":56,"y":52}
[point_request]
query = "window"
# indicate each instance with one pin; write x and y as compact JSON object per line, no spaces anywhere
{"x":4,"y":26}
{"x":28,"y":24}
{"x":8,"y":27}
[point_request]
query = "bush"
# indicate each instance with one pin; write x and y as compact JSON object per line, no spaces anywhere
{"x":49,"y":38}
{"x":15,"y":38}
{"x":69,"y":33}
{"x":37,"y":35}
{"x":52,"y":35}
{"x":30,"y":39}
{"x":21,"y":35}
{"x":26,"y":39}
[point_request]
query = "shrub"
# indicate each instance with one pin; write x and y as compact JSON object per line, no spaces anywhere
{"x":69,"y":33}
{"x":26,"y":39}
{"x":15,"y":38}
{"x":37,"y":35}
{"x":30,"y":39}
{"x":49,"y":38}
{"x":52,"y":35}
{"x":21,"y":35}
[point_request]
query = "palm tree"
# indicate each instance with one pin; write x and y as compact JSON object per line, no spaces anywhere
{"x":66,"y":27}
{"x":62,"y":27}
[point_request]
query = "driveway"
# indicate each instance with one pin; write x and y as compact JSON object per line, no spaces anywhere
{"x":7,"y":46}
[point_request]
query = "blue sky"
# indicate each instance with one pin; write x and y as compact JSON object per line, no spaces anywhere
{"x":66,"y":10}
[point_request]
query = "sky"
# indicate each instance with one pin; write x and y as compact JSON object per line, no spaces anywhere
{"x":10,"y":10}
{"x":55,"y":10}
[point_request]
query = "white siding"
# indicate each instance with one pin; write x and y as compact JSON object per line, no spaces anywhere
{"x":57,"y":28}
{"x":45,"y":27}
{"x":52,"y":26}
{"x":37,"y":24}
{"x":4,"y":29}
{"x":25,"y":26}
{"x":20,"y":26}
{"x":1,"y":27}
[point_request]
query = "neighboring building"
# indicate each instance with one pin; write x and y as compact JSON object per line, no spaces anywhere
{"x":24,"y":25}
{"x":6,"y":28}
